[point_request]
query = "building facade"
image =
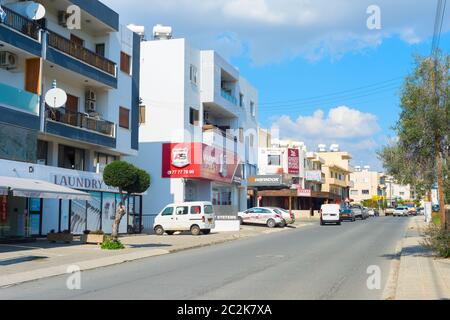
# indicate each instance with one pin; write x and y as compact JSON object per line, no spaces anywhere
{"x":98,"y":68}
{"x":198,"y":135}
{"x":366,"y":184}
{"x":396,"y":192}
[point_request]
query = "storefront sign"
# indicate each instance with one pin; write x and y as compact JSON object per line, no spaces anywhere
{"x":304,"y":193}
{"x":82,"y":182}
{"x":315,"y":175}
{"x":198,"y":160}
{"x":294,"y":161}
{"x":266,"y":181}
{"x":3,"y":208}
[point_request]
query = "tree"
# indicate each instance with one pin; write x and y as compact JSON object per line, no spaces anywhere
{"x":129,"y":180}
{"x":418,"y":157}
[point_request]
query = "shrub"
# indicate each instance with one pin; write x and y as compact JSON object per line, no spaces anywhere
{"x":110,"y":244}
{"x":438,"y":240}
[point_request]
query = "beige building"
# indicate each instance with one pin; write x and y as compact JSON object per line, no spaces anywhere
{"x":337,"y":171}
{"x":366,"y":184}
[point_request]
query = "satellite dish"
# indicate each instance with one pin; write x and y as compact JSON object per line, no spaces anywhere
{"x":55,"y":98}
{"x":35,"y":11}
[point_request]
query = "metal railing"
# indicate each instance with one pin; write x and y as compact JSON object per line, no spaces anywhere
{"x":22,"y":24}
{"x":226,"y":95}
{"x":73,"y":49}
{"x":81,"y":120}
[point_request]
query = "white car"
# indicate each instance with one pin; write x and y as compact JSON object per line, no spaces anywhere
{"x":265,"y":216}
{"x":288,"y":218}
{"x":401,"y":211}
{"x":196,"y":217}
{"x":330,"y":213}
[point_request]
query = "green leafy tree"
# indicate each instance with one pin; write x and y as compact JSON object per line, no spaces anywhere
{"x":418,"y":157}
{"x":129,"y":180}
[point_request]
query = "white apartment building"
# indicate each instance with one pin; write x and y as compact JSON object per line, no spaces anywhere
{"x":396,"y":191}
{"x":198,"y":136}
{"x":98,"y":68}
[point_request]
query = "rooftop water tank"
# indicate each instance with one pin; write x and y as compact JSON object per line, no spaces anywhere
{"x":161,"y":32}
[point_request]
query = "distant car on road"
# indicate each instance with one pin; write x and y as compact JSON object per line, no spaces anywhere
{"x":412,"y":210}
{"x":347,"y":215}
{"x":265,"y":216}
{"x":330,"y":213}
{"x":359,"y":212}
{"x":401,"y":211}
{"x":372,"y":212}
{"x":389,"y":211}
{"x":288,"y":218}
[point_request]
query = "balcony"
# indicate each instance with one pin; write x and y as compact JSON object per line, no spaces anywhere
{"x":21,"y":24}
{"x":214,"y":136}
{"x":227,"y":96}
{"x":82,"y":120}
{"x":72,"y":49}
{"x":19,"y":99}
{"x":339,"y":183}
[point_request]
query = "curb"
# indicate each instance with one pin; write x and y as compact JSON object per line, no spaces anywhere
{"x":39,"y":274}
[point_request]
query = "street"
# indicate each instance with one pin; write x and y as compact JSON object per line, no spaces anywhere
{"x":312,"y":262}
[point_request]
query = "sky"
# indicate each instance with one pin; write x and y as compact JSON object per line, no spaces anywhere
{"x":323,"y":76}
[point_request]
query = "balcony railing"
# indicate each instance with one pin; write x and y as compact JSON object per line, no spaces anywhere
{"x":81,"y":120}
{"x":226,"y":95}
{"x":22,"y":24}
{"x":19,"y":99}
{"x":81,"y":53}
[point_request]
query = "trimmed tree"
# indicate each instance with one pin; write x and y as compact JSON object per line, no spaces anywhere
{"x":129,"y":180}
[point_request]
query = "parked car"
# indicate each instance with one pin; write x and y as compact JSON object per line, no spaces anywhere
{"x":401,"y":211}
{"x":196,"y":217}
{"x":372,"y":212}
{"x":412,"y":210}
{"x":265,"y":216}
{"x":366,"y":213}
{"x":330,"y":213}
{"x":389,"y":211}
{"x":288,"y":217}
{"x":347,"y":215}
{"x":359,"y":212}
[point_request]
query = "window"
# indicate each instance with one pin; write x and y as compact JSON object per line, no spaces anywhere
{"x":125,"y":63}
{"x":366,"y":192}
{"x":252,"y":109}
{"x":209,"y":209}
{"x":181,"y":211}
{"x":274,"y":160}
{"x":193,"y":74}
{"x":104,"y":159}
{"x":70,"y":158}
{"x":77,"y":40}
{"x":42,"y":149}
{"x":354,"y":192}
{"x":100,"y":49}
{"x":124,"y":118}
{"x":221,"y":196}
{"x":142,"y":114}
{"x":241,"y":100}
{"x":193,"y":117}
{"x":167,"y":211}
{"x":196,"y":209}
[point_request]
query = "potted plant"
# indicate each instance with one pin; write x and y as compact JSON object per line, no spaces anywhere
{"x":65,"y":236}
{"x":93,"y":237}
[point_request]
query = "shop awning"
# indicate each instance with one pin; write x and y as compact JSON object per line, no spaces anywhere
{"x":40,"y":189}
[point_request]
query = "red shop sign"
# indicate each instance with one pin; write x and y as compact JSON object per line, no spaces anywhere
{"x":294,"y":161}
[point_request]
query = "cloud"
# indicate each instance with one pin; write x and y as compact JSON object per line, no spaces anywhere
{"x":353,"y":130}
{"x":269,"y":31}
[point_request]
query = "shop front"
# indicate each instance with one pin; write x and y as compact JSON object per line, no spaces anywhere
{"x":37,"y":214}
{"x":209,"y":174}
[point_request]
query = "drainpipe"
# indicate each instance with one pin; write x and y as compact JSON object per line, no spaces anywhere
{"x":44,"y":36}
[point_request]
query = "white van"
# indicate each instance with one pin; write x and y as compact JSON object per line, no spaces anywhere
{"x":330,"y":213}
{"x":196,"y":217}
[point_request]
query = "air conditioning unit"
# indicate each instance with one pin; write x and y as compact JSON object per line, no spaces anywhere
{"x":91,"y":95}
{"x":62,"y":18}
{"x":8,"y":60}
{"x":91,"y":106}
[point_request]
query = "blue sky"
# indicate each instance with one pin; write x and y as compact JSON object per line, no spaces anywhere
{"x":300,"y":53}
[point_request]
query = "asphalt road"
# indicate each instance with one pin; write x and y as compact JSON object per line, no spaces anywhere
{"x":312,"y":262}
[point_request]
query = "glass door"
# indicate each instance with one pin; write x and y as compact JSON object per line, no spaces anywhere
{"x":35,"y":216}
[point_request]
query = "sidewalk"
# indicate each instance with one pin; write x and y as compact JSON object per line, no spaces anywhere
{"x":28,"y":262}
{"x":421,"y":276}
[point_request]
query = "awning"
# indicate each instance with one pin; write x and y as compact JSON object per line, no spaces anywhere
{"x":30,"y":188}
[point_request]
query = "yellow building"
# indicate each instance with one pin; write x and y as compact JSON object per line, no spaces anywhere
{"x":366,"y":184}
{"x":337,"y":171}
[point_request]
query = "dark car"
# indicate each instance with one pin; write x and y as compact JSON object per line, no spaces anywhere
{"x":347,"y":215}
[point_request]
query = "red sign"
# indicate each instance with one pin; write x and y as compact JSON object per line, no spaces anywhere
{"x":293,"y":161}
{"x":198,"y":160}
{"x":3,"y":208}
{"x":304,"y":193}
